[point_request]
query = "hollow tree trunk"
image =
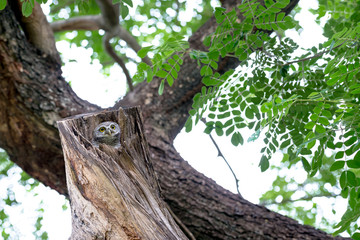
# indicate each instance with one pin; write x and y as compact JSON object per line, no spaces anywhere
{"x":113,"y":191}
{"x":33,"y":96}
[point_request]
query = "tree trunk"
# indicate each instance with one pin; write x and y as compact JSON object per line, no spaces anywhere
{"x":33,"y":96}
{"x":113,"y":191}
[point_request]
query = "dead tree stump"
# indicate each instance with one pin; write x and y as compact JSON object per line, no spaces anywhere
{"x":114,"y":193}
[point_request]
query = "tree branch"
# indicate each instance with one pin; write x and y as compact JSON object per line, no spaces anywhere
{"x":106,"y":41}
{"x":110,"y":14}
{"x":220,"y":154}
{"x":90,"y":22}
{"x":306,"y":198}
{"x":311,"y":57}
{"x":103,"y":21}
{"x":37,"y":29}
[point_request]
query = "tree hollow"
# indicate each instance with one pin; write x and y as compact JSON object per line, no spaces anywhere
{"x":113,"y":192}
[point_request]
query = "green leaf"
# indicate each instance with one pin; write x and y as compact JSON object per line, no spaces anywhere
{"x":211,"y":115}
{"x":320,"y":129}
{"x":214,"y":55}
{"x":285,"y":144}
{"x":188,"y":125}
{"x":161,"y":74}
{"x":124,"y":11}
{"x":343,"y":182}
{"x":27,"y":8}
{"x":192,"y":112}
{"x":309,"y":125}
{"x":174,"y":73}
{"x":323,"y":121}
{"x":264,"y":163}
{"x":347,"y":178}
{"x":229,"y":131}
{"x":128,"y":2}
{"x":206,"y":70}
{"x":170,"y":80}
{"x":311,"y":144}
{"x":161,"y":87}
{"x":144,"y":51}
{"x":356,"y":236}
{"x":249,"y":113}
{"x":208,"y":129}
{"x":337,"y":165}
{"x":357,"y":156}
{"x":219,"y":131}
{"x":306,"y":164}
{"x":353,"y":164}
{"x":314,"y":117}
{"x":237,"y":139}
{"x":243,"y":56}
{"x":266,"y":107}
{"x":355,"y":91}
{"x":350,"y":141}
{"x":351,"y":178}
{"x":2,"y":4}
{"x":339,"y":155}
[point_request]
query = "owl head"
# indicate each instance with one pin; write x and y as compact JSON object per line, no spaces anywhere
{"x":107,"y":133}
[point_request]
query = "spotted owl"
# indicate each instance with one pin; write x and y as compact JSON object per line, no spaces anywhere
{"x":107,"y":133}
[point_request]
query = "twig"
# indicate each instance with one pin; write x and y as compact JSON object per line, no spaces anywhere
{"x":311,"y":57}
{"x":112,"y":53}
{"x":306,"y":198}
{"x":220,"y":154}
{"x":107,"y":21}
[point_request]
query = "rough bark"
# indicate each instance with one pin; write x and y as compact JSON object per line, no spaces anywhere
{"x":33,"y":96}
{"x":113,"y":192}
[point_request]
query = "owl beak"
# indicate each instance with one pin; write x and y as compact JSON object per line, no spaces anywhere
{"x":107,"y":132}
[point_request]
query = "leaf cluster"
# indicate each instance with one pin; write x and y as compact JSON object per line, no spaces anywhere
{"x":305,"y":105}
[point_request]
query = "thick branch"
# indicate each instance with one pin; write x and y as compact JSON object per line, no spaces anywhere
{"x":33,"y":96}
{"x":37,"y":29}
{"x":109,"y":13}
{"x":90,"y":22}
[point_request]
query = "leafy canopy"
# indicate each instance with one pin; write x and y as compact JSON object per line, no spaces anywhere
{"x":304,"y":104}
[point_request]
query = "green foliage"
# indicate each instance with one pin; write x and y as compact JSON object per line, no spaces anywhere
{"x":3,"y":4}
{"x":288,"y":194}
{"x":166,"y":61}
{"x":304,"y":105}
{"x":124,"y":7}
{"x":9,"y":169}
{"x":145,"y":29}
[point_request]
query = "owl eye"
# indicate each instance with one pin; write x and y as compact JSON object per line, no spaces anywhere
{"x":112,"y":126}
{"x":102,"y":129}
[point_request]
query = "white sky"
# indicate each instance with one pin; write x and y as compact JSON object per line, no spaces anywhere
{"x":195,"y":147}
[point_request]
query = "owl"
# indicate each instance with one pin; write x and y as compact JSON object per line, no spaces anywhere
{"x":107,"y":133}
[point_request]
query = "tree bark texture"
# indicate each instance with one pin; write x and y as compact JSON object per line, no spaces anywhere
{"x":33,"y":96}
{"x":113,"y":192}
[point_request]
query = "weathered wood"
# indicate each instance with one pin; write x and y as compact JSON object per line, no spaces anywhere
{"x":113,"y":192}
